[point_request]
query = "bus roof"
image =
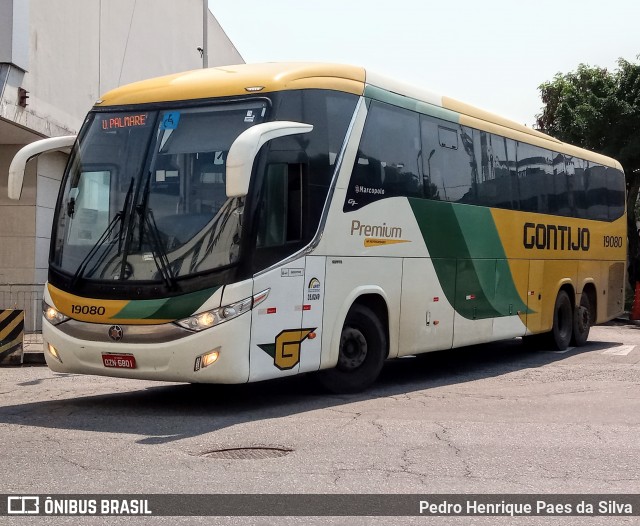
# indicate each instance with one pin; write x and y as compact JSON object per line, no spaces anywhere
{"x":225,"y":81}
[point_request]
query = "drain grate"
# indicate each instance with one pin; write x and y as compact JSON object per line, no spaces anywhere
{"x":247,"y":453}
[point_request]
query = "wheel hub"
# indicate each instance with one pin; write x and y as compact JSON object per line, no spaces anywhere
{"x":353,"y":349}
{"x":583,"y":318}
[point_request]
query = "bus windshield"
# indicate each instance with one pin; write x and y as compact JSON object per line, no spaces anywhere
{"x":144,"y":195}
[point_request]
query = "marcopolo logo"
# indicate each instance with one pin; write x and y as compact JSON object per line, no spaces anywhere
{"x":555,"y":237}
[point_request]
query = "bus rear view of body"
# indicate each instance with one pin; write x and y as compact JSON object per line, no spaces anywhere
{"x":257,"y":221}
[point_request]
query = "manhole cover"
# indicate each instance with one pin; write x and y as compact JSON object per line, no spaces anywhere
{"x":248,"y":453}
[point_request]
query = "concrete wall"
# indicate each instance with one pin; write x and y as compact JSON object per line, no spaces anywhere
{"x":17,"y":225}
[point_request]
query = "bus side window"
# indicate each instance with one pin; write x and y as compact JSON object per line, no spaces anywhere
{"x":281,"y":213}
{"x":535,"y":179}
{"x":387,"y":164}
{"x":615,"y":193}
{"x":449,"y":160}
{"x":597,"y":203}
{"x":562,"y":198}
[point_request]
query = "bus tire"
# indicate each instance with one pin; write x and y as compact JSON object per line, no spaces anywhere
{"x":363,"y":350}
{"x":562,"y":330}
{"x":581,"y":321}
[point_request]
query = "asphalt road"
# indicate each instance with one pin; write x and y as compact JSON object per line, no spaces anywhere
{"x":499,"y":418}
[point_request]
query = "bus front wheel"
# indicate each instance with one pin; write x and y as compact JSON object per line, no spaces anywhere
{"x":363,"y":349}
{"x":562,"y":329}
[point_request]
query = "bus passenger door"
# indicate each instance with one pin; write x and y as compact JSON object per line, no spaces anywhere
{"x":426,"y":321}
{"x":276,"y":329}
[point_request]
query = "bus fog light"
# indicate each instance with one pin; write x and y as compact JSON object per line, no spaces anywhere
{"x":210,"y":358}
{"x":53,"y":352}
{"x":205,"y":360}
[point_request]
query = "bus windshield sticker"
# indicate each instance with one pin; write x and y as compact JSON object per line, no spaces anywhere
{"x":170,"y":120}
{"x":291,"y":272}
{"x":250,"y":117}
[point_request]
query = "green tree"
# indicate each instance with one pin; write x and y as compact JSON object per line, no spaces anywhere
{"x":600,"y":110}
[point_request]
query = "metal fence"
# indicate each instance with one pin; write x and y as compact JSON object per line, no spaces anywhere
{"x":26,"y":297}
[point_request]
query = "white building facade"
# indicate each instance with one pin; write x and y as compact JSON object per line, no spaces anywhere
{"x":56,"y":58}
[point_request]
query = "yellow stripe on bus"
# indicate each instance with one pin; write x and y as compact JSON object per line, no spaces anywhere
{"x":64,"y":302}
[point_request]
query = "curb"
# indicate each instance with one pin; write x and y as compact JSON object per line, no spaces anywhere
{"x":33,"y":350}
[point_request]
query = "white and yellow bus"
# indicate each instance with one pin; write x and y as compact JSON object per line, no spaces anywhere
{"x":243,"y":223}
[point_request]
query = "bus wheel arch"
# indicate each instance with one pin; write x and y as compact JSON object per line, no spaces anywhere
{"x":363,"y":346}
{"x":584,"y":315}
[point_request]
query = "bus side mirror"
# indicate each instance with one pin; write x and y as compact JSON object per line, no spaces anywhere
{"x":19,"y":162}
{"x":244,"y":149}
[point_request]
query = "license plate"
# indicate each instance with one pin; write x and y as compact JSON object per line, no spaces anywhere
{"x":119,"y":361}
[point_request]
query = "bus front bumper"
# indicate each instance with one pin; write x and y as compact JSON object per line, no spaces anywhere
{"x":178,"y":360}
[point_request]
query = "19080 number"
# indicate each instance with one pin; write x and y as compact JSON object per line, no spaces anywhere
{"x":85,"y":309}
{"x":613,"y":241}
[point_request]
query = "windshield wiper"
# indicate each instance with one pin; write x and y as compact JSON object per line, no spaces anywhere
{"x":158,"y":251}
{"x":118,"y":218}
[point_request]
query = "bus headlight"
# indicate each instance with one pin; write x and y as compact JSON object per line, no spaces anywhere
{"x":52,"y":315}
{"x":210,"y":318}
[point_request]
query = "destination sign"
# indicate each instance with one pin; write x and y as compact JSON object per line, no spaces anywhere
{"x":127,"y":120}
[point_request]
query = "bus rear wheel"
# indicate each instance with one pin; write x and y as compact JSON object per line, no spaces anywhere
{"x":562,"y":330}
{"x":363,"y":350}
{"x":582,"y":321}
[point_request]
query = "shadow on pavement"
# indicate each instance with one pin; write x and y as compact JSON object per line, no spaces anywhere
{"x":173,"y":412}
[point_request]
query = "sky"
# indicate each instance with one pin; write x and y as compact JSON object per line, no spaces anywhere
{"x":490,"y":53}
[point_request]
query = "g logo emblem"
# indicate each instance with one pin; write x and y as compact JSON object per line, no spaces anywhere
{"x":286,"y":350}
{"x":116,"y":333}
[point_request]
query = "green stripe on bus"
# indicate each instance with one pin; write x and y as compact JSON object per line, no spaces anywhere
{"x":408,"y":103}
{"x":468,"y":258}
{"x":173,"y":308}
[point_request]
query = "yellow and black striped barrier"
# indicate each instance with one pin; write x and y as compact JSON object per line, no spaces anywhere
{"x":11,"y":334}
